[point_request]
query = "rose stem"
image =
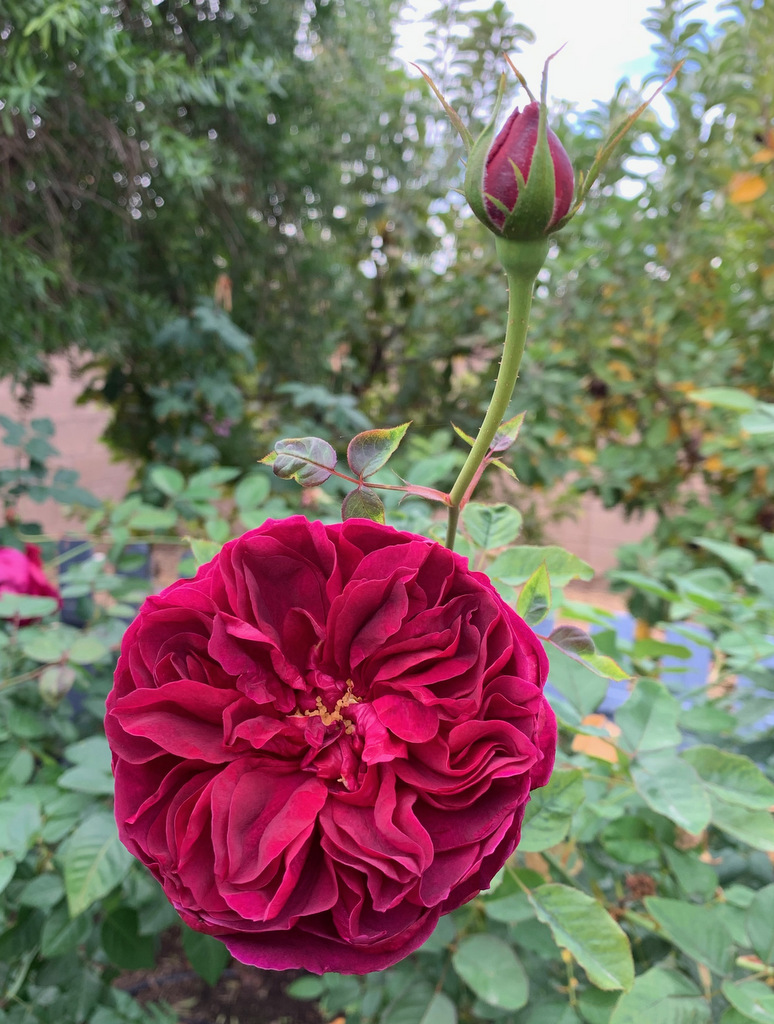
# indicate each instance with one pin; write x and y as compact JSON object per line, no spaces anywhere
{"x":522,"y":262}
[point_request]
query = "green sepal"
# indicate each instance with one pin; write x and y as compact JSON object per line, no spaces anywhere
{"x":476,"y":167}
{"x":451,"y":113}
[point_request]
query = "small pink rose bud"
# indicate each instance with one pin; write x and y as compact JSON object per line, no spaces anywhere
{"x":509,"y":164}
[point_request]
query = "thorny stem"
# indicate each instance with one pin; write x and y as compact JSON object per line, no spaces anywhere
{"x":522,"y":262}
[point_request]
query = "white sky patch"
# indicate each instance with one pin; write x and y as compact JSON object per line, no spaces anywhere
{"x":604,"y":41}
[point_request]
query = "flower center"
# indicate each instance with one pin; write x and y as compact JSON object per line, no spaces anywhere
{"x":329,"y":717}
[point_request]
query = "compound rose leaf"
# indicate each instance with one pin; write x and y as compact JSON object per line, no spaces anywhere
{"x":369,"y":451}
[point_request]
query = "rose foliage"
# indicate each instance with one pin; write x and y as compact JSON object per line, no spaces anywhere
{"x":326,"y":740}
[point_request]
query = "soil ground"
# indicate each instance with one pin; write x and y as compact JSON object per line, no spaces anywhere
{"x":243,"y":995}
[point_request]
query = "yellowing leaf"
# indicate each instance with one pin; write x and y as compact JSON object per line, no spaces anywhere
{"x":584,"y":455}
{"x":620,"y":369}
{"x":746,"y":187}
{"x":626,"y":421}
{"x":763,"y":156}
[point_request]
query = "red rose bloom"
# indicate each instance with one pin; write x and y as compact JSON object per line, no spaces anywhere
{"x":21,"y":572}
{"x":326,"y":740}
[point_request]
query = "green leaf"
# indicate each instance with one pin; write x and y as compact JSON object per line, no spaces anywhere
{"x":534,"y":601}
{"x":507,"y":433}
{"x":491,"y":526}
{"x":168,"y":480}
{"x":252,"y":491}
{"x":492,"y":970}
{"x":307,"y":460}
{"x":762,"y":576}
{"x":62,"y":933}
{"x":306,"y":988}
{"x":88,"y":649}
{"x":596,"y":1006}
{"x":629,"y":840}
{"x":92,"y":750}
{"x":516,"y":565}
{"x":758,"y":922}
{"x":417,"y":1003}
{"x":648,"y":719}
{"x":650,"y":648}
{"x":203,"y":550}
{"x":440,"y":1010}
{"x":732,"y":1016}
{"x":572,"y":640}
{"x":761,"y":421}
{"x":444,"y":934}
{"x":752,"y":999}
{"x":672,"y":788}
{"x":698,"y":931}
{"x":548,"y":814}
{"x":582,"y":926}
{"x":208,"y":480}
{"x":123,"y":943}
{"x":20,"y":824}
{"x":7,"y":871}
{"x":369,"y":451}
{"x":733,"y":777}
{"x":740,"y":559}
{"x":363,"y":503}
{"x":579,"y":684}
{"x":662,"y":997}
{"x":18,"y":769}
{"x":218,"y":529}
{"x":695,"y":878}
{"x":756,"y":828}
{"x":43,"y":891}
{"x":148,"y":519}
{"x":207,"y":955}
{"x":26,"y":607}
{"x":465,"y":437}
{"x":92,"y":772}
{"x":725,"y":398}
{"x":604,"y":666}
{"x":513,"y":908}
{"x":555,"y":1010}
{"x":94,"y":861}
{"x":707,"y":717}
{"x":83,"y":779}
{"x":47,"y":644}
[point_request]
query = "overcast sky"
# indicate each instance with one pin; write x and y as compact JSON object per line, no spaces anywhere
{"x":605,"y":42}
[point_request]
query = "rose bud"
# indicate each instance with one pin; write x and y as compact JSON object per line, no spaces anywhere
{"x":525,"y":193}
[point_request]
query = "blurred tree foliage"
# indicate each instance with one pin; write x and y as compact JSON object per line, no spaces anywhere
{"x":271,"y":154}
{"x":666,"y":286}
